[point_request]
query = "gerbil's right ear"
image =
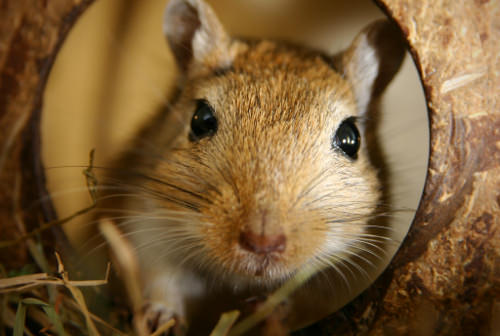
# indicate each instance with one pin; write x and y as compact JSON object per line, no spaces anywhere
{"x":371,"y":61}
{"x":195,"y":35}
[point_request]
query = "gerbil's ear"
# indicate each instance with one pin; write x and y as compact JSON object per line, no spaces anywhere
{"x":195,"y":35}
{"x":372,"y":60}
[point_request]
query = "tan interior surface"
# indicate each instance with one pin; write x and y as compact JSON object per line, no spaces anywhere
{"x":115,"y":68}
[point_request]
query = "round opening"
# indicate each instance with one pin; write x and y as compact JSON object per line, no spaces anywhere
{"x":115,"y":70}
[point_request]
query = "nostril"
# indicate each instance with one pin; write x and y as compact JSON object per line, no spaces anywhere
{"x":261,"y":243}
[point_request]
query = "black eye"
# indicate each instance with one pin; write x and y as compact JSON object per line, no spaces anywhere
{"x":347,"y":138}
{"x":203,"y":122}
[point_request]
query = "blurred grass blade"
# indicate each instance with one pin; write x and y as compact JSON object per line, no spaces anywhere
{"x":51,"y":313}
{"x":20,"y":319}
{"x":225,"y":323}
{"x":273,"y":301}
{"x":128,"y":266}
{"x":162,"y":330}
{"x":54,"y":319}
{"x":78,"y":296}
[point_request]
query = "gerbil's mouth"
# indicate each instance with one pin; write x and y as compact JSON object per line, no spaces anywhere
{"x":269,"y":268}
{"x":263,"y":266}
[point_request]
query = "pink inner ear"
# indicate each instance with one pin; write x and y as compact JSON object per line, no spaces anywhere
{"x":372,"y":60}
{"x":196,"y":36}
{"x":181,"y":23}
{"x":390,"y":50}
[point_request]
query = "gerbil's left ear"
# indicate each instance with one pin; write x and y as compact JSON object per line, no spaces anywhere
{"x":195,"y":35}
{"x":372,"y":60}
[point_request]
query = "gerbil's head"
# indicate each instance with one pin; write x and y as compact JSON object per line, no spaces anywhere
{"x":269,"y":169}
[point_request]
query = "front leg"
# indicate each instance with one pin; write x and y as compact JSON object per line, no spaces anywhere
{"x":166,"y":294}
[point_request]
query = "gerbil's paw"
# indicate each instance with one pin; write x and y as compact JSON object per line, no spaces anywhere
{"x":157,"y":315}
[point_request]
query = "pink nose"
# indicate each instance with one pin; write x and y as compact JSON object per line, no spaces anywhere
{"x":261,"y":243}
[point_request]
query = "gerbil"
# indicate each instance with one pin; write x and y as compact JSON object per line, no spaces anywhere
{"x":258,"y":168}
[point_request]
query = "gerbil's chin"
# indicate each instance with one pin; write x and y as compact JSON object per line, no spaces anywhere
{"x":262,"y":270}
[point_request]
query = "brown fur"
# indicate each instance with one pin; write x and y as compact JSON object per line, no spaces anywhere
{"x":270,"y":169}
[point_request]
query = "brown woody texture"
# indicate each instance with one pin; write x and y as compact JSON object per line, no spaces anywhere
{"x":31,"y":32}
{"x":444,"y":279}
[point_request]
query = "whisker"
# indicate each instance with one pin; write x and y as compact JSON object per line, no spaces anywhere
{"x":352,"y":263}
{"x":334,"y":266}
{"x":313,"y":183}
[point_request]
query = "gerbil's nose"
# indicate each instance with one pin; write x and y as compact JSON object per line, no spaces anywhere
{"x":261,"y":243}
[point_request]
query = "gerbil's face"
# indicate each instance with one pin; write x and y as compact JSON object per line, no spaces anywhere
{"x":268,"y":170}
{"x":268,"y":165}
